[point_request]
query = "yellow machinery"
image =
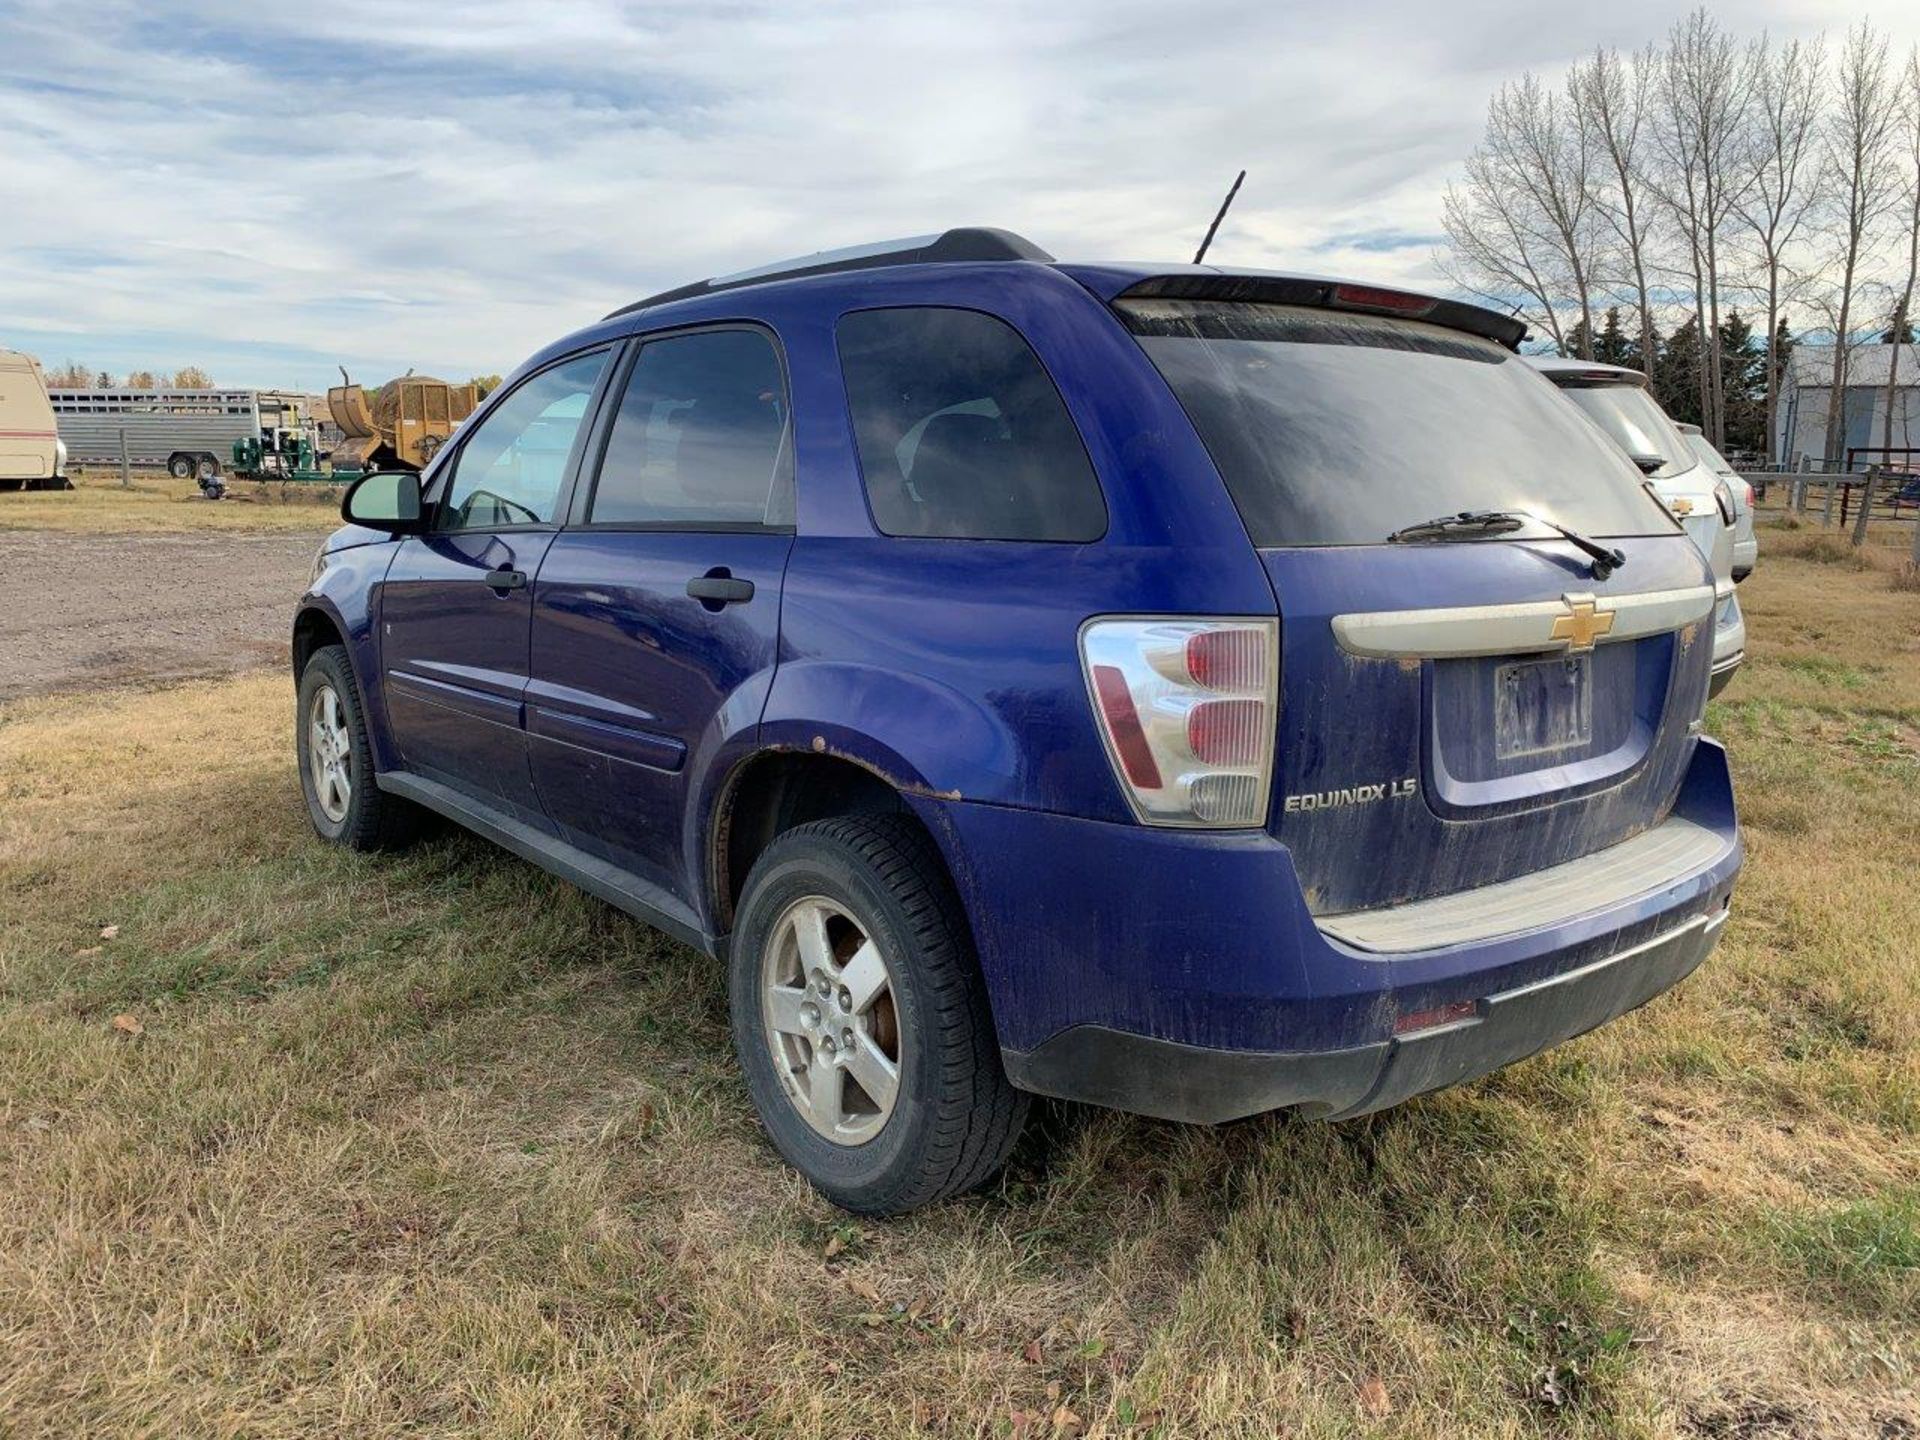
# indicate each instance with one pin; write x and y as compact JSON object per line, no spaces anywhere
{"x":401,"y":426}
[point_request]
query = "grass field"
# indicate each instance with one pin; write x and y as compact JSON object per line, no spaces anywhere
{"x":294,"y":1142}
{"x":158,"y":502}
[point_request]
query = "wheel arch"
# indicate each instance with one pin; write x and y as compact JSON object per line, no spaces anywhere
{"x":779,"y":787}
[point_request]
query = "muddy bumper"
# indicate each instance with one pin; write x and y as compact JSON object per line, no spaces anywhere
{"x":1149,"y":1076}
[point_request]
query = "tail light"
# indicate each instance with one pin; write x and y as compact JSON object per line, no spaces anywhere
{"x":1188,"y":710}
{"x":1723,"y":501}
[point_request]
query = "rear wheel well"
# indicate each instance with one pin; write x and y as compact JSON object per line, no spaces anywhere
{"x":312,"y":630}
{"x":777,"y":792}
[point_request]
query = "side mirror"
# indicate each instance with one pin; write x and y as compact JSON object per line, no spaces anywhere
{"x":384,"y":500}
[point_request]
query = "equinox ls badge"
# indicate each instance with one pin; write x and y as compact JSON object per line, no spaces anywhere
{"x":1352,"y":795}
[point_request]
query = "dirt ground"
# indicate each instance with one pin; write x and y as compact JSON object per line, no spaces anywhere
{"x":88,"y":611}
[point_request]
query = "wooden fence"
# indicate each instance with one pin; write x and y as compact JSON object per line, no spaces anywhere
{"x":1853,"y":499}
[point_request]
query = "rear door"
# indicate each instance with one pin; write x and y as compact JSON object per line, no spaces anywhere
{"x":1453,"y":712}
{"x":656,"y":614}
{"x":456,"y":607}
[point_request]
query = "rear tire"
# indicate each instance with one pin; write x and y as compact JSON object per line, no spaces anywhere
{"x":182,"y":467}
{"x":345,"y":804}
{"x":951,"y":1117}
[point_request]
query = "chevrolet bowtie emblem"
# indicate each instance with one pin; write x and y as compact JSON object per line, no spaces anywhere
{"x":1680,"y":505}
{"x":1583,"y":623}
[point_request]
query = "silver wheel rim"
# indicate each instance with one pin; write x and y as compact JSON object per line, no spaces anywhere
{"x":826,"y":999}
{"x":329,"y":753}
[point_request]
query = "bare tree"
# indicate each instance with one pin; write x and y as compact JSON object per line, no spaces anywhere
{"x":1909,"y":167}
{"x":191,"y":377}
{"x":1781,"y":187}
{"x":1859,"y":174}
{"x":1706,"y":88}
{"x":140,"y":380}
{"x":1524,"y":225}
{"x":1612,"y":102}
{"x":71,"y":376}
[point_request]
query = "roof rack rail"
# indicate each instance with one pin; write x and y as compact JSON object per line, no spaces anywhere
{"x":967,"y":243}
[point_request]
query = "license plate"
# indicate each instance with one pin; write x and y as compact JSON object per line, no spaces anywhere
{"x":1540,"y":706}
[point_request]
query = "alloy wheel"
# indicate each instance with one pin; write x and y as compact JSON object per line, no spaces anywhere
{"x":826,"y":996}
{"x":329,"y":753}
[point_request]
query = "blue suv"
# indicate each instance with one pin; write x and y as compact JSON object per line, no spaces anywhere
{"x":1186,"y":690}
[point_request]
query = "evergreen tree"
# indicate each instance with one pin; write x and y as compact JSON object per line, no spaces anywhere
{"x":1898,"y":330}
{"x":1613,"y":345}
{"x":1676,"y":373}
{"x":1576,"y":346}
{"x":1743,"y":373}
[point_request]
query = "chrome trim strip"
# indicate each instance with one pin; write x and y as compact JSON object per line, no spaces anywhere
{"x":1649,"y":861}
{"x":1462,"y":631}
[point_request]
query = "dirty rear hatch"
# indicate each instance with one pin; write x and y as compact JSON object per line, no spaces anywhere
{"x":1464,"y":711}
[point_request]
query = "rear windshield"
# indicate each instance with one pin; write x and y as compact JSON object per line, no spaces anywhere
{"x":1708,"y":456}
{"x":1338,"y":429}
{"x":1637,"y":425}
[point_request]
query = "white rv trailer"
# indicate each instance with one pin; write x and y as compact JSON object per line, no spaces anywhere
{"x":31,"y":454}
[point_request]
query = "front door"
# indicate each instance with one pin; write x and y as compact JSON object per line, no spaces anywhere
{"x":455,"y":610}
{"x":656,"y":618}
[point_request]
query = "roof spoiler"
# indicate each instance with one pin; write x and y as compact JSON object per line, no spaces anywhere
{"x":1333,"y":295}
{"x":968,"y":244}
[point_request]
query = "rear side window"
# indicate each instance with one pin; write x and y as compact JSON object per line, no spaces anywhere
{"x":1338,"y":429}
{"x":701,"y":436}
{"x":962,"y":434}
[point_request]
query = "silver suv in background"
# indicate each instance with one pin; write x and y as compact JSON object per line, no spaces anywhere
{"x":1617,"y":400}
{"x":1746,"y":549}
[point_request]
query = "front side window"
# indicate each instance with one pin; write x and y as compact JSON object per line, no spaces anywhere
{"x":510,"y":469}
{"x":1332,"y":428}
{"x":701,"y":436}
{"x":962,"y":434}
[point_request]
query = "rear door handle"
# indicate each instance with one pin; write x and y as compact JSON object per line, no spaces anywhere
{"x":721,"y":588}
{"x":502,"y":580}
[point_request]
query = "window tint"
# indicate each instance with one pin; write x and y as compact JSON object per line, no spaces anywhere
{"x":961,"y":433}
{"x":701,"y":436}
{"x":1338,"y":429}
{"x":509,"y":469}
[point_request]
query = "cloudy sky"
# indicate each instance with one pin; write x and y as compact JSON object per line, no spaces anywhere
{"x":373,"y":185}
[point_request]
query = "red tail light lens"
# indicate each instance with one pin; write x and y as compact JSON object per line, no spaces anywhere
{"x":1228,"y":659}
{"x":1227,"y":732}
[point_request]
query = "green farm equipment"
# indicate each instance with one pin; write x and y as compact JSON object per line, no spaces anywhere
{"x":287,"y":455}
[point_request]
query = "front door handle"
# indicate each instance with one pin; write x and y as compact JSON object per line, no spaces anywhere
{"x":502,"y":580}
{"x":719,"y":589}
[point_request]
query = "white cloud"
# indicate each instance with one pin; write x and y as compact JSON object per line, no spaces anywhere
{"x":267,"y":193}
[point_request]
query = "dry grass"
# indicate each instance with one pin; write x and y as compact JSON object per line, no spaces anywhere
{"x":435,"y":1145}
{"x":158,"y":502}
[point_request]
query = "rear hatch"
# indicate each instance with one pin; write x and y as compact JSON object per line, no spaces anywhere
{"x":1454,"y":711}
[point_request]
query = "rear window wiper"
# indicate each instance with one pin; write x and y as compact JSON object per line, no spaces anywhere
{"x":1474,"y":524}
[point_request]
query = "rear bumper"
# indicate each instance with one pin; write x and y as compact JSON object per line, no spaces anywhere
{"x":1183,"y":1082}
{"x":1181,"y":974}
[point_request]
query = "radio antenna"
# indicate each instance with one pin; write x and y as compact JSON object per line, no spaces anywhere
{"x":1201,"y":253}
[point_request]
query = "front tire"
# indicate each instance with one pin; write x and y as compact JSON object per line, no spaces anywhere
{"x":861,"y":1021}
{"x":345,"y":804}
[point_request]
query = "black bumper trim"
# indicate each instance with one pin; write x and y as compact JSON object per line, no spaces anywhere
{"x":1172,"y":1081}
